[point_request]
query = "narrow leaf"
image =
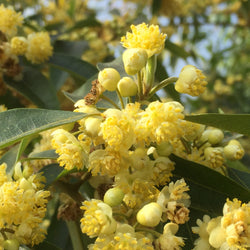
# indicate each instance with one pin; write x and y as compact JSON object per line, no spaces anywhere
{"x":239,"y":123}
{"x":18,"y":123}
{"x":51,"y":172}
{"x":48,"y":154}
{"x":73,"y":65}
{"x":36,"y":87}
{"x":10,"y":158}
{"x":176,"y":49}
{"x":208,"y":188}
{"x":116,"y":64}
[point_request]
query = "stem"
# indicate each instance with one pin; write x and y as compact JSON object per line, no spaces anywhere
{"x":150,"y":72}
{"x":139,"y":81}
{"x":161,"y":85}
{"x":109,"y":100}
{"x":75,"y":235}
{"x":120,"y":98}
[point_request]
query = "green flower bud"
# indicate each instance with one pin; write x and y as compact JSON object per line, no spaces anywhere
{"x":12,"y":244}
{"x":109,"y":78}
{"x":113,"y":197}
{"x":164,"y":149}
{"x":215,"y":136}
{"x":150,"y":215}
{"x":134,"y":60}
{"x":234,"y":151}
{"x":127,"y":87}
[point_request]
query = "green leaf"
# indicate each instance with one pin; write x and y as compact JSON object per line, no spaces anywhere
{"x":58,"y":77}
{"x":89,"y":22}
{"x":116,"y":64}
{"x":176,"y":49}
{"x":17,"y":124}
{"x":47,"y":245}
{"x":10,"y":158}
{"x":208,"y":188}
{"x":238,"y":123}
{"x":36,"y":87}
{"x":241,"y":177}
{"x":51,"y":172}
{"x":48,"y":154}
{"x":74,"y":66}
{"x":73,"y":48}
{"x":22,"y":146}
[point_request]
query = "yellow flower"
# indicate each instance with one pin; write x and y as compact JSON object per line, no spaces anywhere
{"x":9,"y":20}
{"x":19,"y":45}
{"x":174,"y":201}
{"x":39,"y":47}
{"x":3,"y":176}
{"x":125,"y":237}
{"x":168,"y":240}
{"x":22,"y":211}
{"x":106,"y":162}
{"x":160,"y":122}
{"x":191,"y":81}
{"x":145,"y":37}
{"x":236,"y":223}
{"x":72,"y":152}
{"x":97,"y":219}
{"x":118,"y":129}
{"x":214,"y":157}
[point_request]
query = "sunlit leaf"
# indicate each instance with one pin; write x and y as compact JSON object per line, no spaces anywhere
{"x":239,"y":123}
{"x":19,"y":123}
{"x":73,"y":65}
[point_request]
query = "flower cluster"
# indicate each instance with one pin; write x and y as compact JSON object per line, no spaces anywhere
{"x":128,"y":146}
{"x":22,"y":207}
{"x":36,"y":47}
{"x":207,"y":146}
{"x":230,"y":231}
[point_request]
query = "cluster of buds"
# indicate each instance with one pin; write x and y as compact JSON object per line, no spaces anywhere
{"x":207,"y":146}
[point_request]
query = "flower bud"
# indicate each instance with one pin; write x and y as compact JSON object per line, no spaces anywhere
{"x":92,"y":125}
{"x":215,"y":136}
{"x":234,"y":151}
{"x":191,"y":81}
{"x":109,"y":78}
{"x":12,"y":244}
{"x":127,"y":87}
{"x":214,"y":156}
{"x":164,"y":149}
{"x":134,"y":60}
{"x":150,"y":215}
{"x":19,"y":45}
{"x":113,"y":196}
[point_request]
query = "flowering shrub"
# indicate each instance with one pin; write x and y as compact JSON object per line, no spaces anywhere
{"x":127,"y":166}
